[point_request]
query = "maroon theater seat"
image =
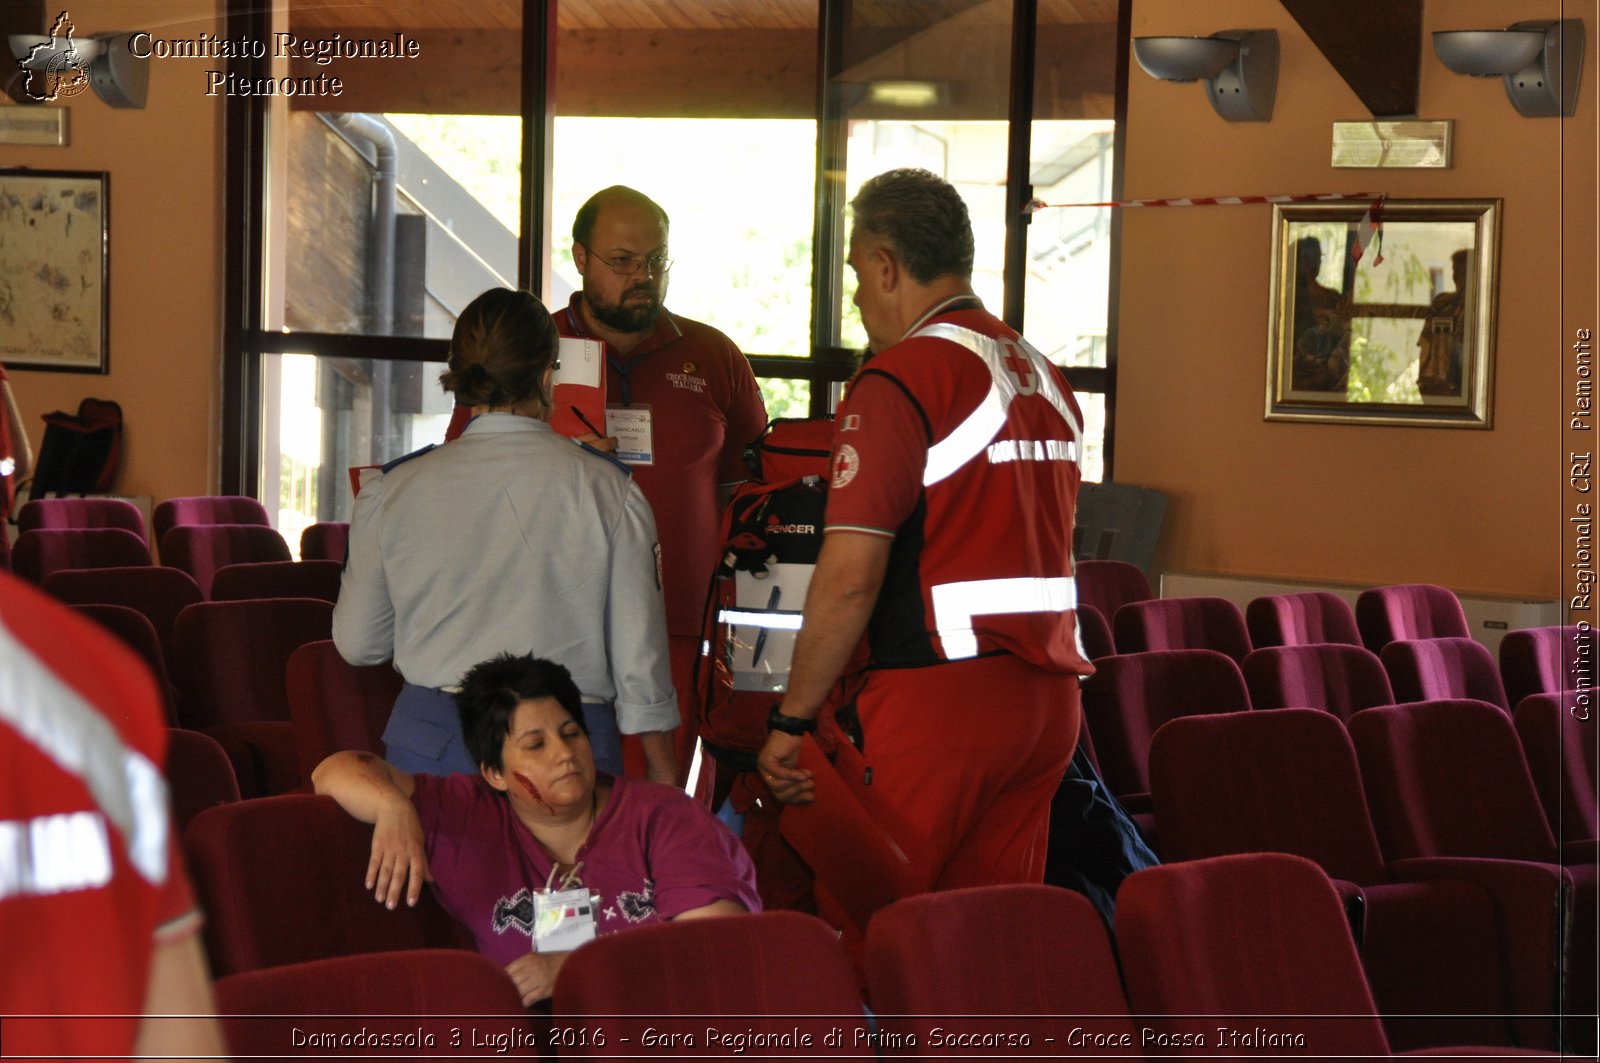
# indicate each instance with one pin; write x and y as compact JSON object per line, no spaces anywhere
{"x":970,"y":961}
{"x":336,"y":705}
{"x":202,"y":549}
{"x":1334,"y":677}
{"x":325,"y":541}
{"x":1244,"y":943}
{"x":36,"y":554}
{"x":232,"y":659}
{"x":1287,"y":781}
{"x":199,"y":775}
{"x":81,"y":513}
{"x":1300,"y":619}
{"x":1545,"y":660}
{"x":1132,"y":694}
{"x":1095,"y":632}
{"x":1109,"y":585}
{"x":1443,"y":668}
{"x":136,"y":631}
{"x":1447,"y":779}
{"x":206,"y":509}
{"x":282,"y":880}
{"x":277,"y":579}
{"x":773,"y":973}
{"x":1182,"y":624}
{"x":1409,"y":611}
{"x":1558,"y":738}
{"x":417,"y":1000}
{"x":159,"y":593}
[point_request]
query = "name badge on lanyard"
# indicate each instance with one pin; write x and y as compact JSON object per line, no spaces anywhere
{"x":631,"y":426}
{"x":563,"y":919}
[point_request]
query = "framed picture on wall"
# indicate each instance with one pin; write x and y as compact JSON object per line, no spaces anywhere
{"x":53,"y":270}
{"x":1405,"y":335}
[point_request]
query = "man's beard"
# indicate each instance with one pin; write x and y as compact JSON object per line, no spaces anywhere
{"x":623,"y":316}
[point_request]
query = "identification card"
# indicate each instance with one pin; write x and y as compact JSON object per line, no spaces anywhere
{"x":631,"y":427}
{"x":563,"y":919}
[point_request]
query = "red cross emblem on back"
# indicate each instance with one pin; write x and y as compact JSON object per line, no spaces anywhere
{"x":1020,"y":367}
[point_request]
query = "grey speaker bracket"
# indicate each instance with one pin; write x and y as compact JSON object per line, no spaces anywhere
{"x":1548,"y":86}
{"x":1246,"y":88}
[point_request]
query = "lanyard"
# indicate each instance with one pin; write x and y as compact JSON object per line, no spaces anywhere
{"x":955,"y":302}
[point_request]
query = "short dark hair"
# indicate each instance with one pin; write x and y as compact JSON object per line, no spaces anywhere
{"x":502,"y":344}
{"x":922,"y":218}
{"x":491,"y":691}
{"x":583,"y":221}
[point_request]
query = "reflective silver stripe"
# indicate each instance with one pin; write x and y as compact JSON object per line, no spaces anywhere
{"x":54,"y":854}
{"x":972,"y":435}
{"x":955,"y":604}
{"x":757,"y":618}
{"x":126,"y":785}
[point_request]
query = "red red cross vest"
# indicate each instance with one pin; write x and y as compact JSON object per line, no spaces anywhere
{"x":984,"y":563}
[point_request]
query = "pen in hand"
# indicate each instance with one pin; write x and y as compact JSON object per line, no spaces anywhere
{"x":579,"y":415}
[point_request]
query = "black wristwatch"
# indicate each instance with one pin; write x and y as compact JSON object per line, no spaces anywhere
{"x":789,"y":725}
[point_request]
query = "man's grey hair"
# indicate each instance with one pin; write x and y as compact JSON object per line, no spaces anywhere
{"x":923,"y":220}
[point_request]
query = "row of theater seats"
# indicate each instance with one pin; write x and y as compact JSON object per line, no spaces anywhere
{"x":198,"y":536}
{"x":1131,"y":695}
{"x":1246,"y":956}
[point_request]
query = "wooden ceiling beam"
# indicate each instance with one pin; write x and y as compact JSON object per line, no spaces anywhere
{"x":1375,"y":45}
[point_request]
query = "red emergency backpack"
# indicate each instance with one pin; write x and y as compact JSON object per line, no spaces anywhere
{"x":771,"y":535}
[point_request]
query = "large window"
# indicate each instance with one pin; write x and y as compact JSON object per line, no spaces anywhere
{"x":751,"y":121}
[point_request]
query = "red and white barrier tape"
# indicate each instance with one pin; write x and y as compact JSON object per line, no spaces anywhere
{"x":1368,"y":230}
{"x":1036,"y":205}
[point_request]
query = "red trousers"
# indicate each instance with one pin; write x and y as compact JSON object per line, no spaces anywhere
{"x":965,"y":758}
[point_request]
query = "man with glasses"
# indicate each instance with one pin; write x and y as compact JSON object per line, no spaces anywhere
{"x":681,"y":399}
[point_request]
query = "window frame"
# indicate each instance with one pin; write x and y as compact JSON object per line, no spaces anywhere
{"x":246,"y":340}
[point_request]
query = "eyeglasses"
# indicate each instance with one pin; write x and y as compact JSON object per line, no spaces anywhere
{"x":633,"y":265}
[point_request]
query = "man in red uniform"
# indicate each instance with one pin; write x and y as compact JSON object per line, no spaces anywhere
{"x":681,"y":399}
{"x":949,"y":538}
{"x":97,"y":923}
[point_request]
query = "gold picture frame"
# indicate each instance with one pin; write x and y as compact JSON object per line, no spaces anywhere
{"x":1408,"y":340}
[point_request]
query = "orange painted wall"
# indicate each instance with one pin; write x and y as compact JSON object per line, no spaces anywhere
{"x":165,"y":163}
{"x":1479,"y":511}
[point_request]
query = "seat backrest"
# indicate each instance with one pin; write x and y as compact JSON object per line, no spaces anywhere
{"x":1409,"y":611}
{"x":201,"y":549}
{"x":1181,"y":624}
{"x":282,"y":880}
{"x":277,"y":579}
{"x":1544,"y":660}
{"x":1300,"y":619}
{"x":1447,"y":778}
{"x":199,"y":775}
{"x":1334,"y":677}
{"x":777,"y":972}
{"x":325,"y":541}
{"x":81,"y":513}
{"x":157,"y":592}
{"x":1440,"y":668}
{"x":231,"y":657}
{"x":1283,"y":781}
{"x":1132,"y":694}
{"x":336,"y":705}
{"x":36,"y":554}
{"x":1095,"y":631}
{"x":1557,"y":732}
{"x":206,"y":509}
{"x":1109,"y":585}
{"x":995,"y":950}
{"x":135,"y":630}
{"x":427,"y":991}
{"x":1245,"y":942}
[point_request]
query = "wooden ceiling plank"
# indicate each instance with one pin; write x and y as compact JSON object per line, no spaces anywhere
{"x":1375,"y":45}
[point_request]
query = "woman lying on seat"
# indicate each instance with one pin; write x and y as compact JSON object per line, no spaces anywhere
{"x":505,"y":847}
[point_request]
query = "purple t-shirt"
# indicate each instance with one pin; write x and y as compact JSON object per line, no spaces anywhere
{"x":653,"y":853}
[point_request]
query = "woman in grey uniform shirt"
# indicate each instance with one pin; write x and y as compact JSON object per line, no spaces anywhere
{"x":510,"y":539}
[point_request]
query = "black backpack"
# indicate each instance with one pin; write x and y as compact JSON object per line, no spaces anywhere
{"x":81,"y":452}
